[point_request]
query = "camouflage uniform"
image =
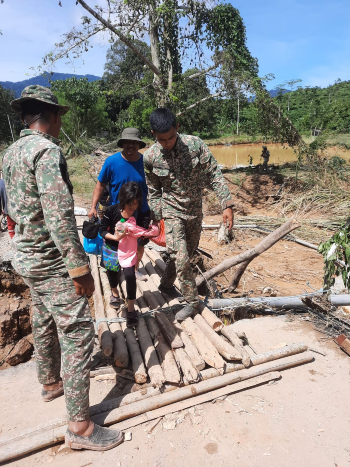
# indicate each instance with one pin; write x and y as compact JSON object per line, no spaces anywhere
{"x":48,"y":254}
{"x":175,"y":180}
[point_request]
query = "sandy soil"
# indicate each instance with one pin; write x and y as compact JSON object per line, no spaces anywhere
{"x":303,"y":419}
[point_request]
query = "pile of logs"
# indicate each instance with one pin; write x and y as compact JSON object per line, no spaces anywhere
{"x":181,"y":364}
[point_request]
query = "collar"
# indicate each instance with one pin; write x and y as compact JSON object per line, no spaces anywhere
{"x":28,"y":132}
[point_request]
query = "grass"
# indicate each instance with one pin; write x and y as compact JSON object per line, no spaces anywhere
{"x":82,"y":176}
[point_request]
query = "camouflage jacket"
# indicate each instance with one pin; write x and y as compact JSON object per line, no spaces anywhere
{"x":175,"y":178}
{"x":40,"y":201}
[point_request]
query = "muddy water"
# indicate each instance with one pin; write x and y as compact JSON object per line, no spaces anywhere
{"x":239,"y":154}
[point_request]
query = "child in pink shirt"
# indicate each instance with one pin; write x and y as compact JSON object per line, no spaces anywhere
{"x":120,"y":232}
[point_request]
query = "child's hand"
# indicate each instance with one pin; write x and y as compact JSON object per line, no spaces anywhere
{"x":119,"y":235}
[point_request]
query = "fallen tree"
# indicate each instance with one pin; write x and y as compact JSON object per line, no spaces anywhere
{"x":249,"y":255}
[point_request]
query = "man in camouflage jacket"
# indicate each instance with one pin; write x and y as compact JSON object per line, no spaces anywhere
{"x":50,"y":258}
{"x":176,"y":168}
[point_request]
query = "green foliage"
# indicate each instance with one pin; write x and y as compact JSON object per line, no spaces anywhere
{"x":6,"y":96}
{"x":337,"y":248}
{"x":87,"y":106}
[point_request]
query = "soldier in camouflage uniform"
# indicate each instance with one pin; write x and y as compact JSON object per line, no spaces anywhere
{"x":176,"y":167}
{"x":50,"y":258}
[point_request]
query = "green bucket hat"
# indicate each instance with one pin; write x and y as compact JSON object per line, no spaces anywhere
{"x":38,"y":93}
{"x":132,"y":134}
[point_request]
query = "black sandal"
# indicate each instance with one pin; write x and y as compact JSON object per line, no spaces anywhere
{"x":132,"y":318}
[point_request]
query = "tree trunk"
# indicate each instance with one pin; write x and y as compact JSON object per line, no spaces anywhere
{"x":230,"y":333}
{"x":238,"y":114}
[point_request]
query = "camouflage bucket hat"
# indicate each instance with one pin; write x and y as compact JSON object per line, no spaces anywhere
{"x":38,"y":93}
{"x":132,"y":134}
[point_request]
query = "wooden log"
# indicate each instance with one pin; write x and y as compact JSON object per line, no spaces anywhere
{"x":224,"y":348}
{"x":105,"y":336}
{"x":186,"y":392}
{"x":210,"y":317}
{"x":169,"y":366}
{"x":204,"y":346}
{"x":230,"y":333}
{"x":120,"y":351}
{"x":249,"y":255}
{"x":136,"y":357}
{"x":167,"y":328}
{"x":154,"y":369}
{"x":190,"y":349}
{"x":42,"y":436}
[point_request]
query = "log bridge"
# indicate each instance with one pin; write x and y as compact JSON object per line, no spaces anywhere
{"x":177,"y":365}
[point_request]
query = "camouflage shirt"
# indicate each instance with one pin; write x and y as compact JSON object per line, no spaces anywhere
{"x":40,"y":202}
{"x":175,"y":178}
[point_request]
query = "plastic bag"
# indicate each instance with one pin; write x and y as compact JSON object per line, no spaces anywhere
{"x":160,"y":240}
{"x":93,"y":245}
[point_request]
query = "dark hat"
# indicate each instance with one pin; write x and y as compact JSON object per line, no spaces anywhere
{"x":38,"y":93}
{"x":131,"y":134}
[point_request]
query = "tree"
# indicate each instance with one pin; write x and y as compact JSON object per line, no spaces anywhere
{"x":190,"y":31}
{"x":291,"y":84}
{"x":9,"y":121}
{"x":87,"y":106}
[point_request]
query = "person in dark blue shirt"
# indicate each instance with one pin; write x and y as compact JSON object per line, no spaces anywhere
{"x":122,"y":167}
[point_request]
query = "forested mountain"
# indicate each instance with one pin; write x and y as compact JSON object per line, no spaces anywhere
{"x":43,"y":80}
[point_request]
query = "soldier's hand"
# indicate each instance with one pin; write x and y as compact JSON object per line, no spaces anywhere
{"x":227,"y":216}
{"x":92,"y":212}
{"x":84,"y":285}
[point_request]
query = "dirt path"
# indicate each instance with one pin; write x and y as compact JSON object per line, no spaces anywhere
{"x":303,"y":419}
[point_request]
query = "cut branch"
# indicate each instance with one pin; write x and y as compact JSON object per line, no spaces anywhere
{"x":249,"y":255}
{"x":198,"y":103}
{"x":121,"y":36}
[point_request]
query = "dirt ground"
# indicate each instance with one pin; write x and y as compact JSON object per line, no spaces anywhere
{"x":302,"y":419}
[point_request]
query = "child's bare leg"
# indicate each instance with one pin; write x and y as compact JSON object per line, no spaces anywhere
{"x":139,"y":253}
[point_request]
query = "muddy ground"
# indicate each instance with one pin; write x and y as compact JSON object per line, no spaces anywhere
{"x":303,"y":418}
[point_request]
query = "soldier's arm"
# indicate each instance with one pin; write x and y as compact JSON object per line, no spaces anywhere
{"x":154,"y":189}
{"x":214,"y":176}
{"x":57,"y":203}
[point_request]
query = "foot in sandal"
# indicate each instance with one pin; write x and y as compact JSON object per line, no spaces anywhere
{"x":101,"y":439}
{"x":140,"y":277}
{"x":116,"y":302}
{"x":132,"y":318}
{"x":52,"y":391}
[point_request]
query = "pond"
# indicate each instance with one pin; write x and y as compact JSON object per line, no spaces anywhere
{"x":238,"y":155}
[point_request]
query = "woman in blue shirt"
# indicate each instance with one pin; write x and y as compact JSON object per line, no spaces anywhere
{"x":118,"y":169}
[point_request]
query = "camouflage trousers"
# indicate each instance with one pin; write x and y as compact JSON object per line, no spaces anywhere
{"x":182,"y":238}
{"x":63,"y":329}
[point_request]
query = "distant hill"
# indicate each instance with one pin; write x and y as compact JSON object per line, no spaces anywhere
{"x":272,"y":92}
{"x":43,"y":80}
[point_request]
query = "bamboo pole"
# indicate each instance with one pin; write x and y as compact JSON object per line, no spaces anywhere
{"x":105,"y":336}
{"x":229,"y":332}
{"x":205,"y":347}
{"x":120,"y":351}
{"x":186,"y":392}
{"x":42,"y":436}
{"x":225,"y":349}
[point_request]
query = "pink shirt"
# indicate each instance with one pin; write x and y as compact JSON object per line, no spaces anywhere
{"x":128,"y":244}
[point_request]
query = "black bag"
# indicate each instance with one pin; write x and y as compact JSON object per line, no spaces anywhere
{"x":91,"y":227}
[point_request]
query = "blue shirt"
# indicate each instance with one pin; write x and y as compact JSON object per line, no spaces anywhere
{"x":116,"y":171}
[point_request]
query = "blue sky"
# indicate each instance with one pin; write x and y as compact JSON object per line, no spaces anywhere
{"x":308,"y":40}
